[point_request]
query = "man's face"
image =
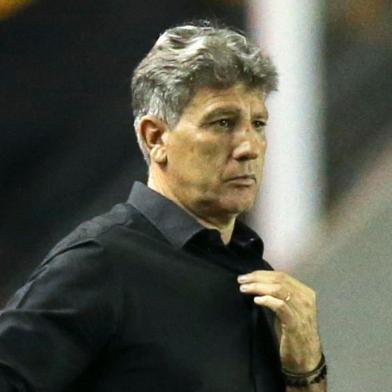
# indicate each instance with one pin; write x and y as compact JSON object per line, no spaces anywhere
{"x":215,"y":154}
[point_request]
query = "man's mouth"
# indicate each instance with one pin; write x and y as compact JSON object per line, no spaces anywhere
{"x":247,"y":179}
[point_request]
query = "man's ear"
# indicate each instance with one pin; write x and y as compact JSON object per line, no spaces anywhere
{"x":153,"y":131}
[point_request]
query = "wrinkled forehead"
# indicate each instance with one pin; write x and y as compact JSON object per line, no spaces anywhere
{"x":237,"y":96}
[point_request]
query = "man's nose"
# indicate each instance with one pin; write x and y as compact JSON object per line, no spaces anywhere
{"x":249,"y":145}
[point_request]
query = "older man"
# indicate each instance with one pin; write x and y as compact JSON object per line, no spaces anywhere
{"x":169,"y":291}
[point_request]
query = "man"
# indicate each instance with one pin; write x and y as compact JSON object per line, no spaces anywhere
{"x":169,"y":291}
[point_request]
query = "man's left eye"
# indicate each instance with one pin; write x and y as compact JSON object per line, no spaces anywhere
{"x":224,"y":123}
{"x":259,"y":124}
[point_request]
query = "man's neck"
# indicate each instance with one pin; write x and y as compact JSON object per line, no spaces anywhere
{"x":225,"y":227}
{"x":226,"y":231}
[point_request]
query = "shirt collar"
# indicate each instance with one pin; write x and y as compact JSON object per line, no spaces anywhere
{"x":245,"y":237}
{"x":178,"y":226}
{"x":174,"y":223}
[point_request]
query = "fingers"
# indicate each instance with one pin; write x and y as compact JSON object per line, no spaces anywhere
{"x":287,"y":297}
{"x":271,"y":296}
{"x":272,"y":289}
{"x":264,"y":277}
{"x":280,"y":307}
{"x":276,"y":284}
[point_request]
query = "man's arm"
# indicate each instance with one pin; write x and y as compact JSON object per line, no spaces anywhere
{"x":295,"y":307}
{"x":57,"y":323}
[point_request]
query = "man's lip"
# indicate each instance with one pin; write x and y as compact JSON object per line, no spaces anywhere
{"x":246,"y":176}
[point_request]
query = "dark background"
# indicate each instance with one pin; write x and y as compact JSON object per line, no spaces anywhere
{"x":67,"y":145}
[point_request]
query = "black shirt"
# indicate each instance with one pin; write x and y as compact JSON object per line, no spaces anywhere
{"x":142,"y":298}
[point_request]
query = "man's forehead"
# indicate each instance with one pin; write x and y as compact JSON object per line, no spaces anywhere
{"x":238,"y":88}
{"x":210,"y":99}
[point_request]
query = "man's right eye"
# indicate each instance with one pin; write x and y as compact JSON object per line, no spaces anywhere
{"x":224,"y":123}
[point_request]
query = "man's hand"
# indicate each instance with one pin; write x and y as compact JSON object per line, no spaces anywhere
{"x":295,"y":307}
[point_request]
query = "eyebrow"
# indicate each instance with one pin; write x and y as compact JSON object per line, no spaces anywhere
{"x":229,"y":111}
{"x":226,"y":111}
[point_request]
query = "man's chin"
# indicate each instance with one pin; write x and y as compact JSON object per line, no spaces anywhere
{"x":239,"y":206}
{"x":229,"y":204}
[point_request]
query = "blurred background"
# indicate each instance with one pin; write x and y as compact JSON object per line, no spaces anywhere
{"x":68,"y":150}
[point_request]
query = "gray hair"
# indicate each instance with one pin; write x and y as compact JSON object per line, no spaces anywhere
{"x":188,"y":57}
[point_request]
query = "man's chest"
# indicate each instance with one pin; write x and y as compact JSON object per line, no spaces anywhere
{"x":183,"y":323}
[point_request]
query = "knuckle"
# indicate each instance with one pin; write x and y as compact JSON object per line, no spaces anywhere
{"x":281,"y":276}
{"x":277,"y":289}
{"x":310,"y":300}
{"x":258,"y":274}
{"x":252,"y":286}
{"x":312,"y":295}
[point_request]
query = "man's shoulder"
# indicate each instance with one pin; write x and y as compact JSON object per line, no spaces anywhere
{"x":103,"y":230}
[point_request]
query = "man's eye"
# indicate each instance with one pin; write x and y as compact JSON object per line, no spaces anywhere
{"x":259,"y":124}
{"x":224,"y":123}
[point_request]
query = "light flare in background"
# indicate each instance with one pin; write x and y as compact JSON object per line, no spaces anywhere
{"x":10,"y":7}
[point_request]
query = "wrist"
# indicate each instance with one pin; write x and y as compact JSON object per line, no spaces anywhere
{"x":302,"y":363}
{"x":305,"y":379}
{"x":301,"y":356}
